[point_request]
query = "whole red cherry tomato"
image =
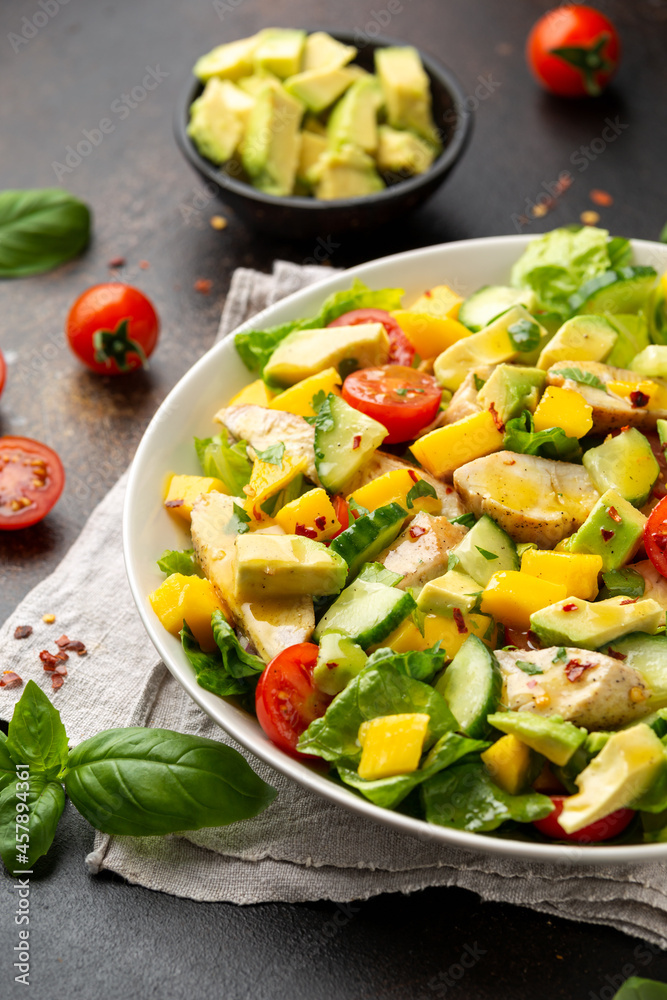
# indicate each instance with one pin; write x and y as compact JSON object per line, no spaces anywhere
{"x":31,"y":481}
{"x":401,"y":351}
{"x":402,"y":399}
{"x":655,"y":537}
{"x":3,"y":372}
{"x":603,"y":829}
{"x":286,"y":699}
{"x":113,"y":328}
{"x":573,"y":51}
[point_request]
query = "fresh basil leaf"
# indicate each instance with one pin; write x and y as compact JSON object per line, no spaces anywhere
{"x":223,"y":672}
{"x":43,"y":804}
{"x":40,"y":229}
{"x":521,"y":437}
{"x":420,"y":665}
{"x":525,"y":335}
{"x":388,"y":792}
{"x":222,"y":460}
{"x":467,"y":520}
{"x":375,"y":691}
{"x":641,"y":989}
{"x":36,"y":736}
{"x":401,"y":392}
{"x":528,"y":668}
{"x":377,"y":573}
{"x":489,"y":556}
{"x":585,"y":378}
{"x":7,"y":765}
{"x":324,"y":421}
{"x":626,"y":582}
{"x":420,"y":489}
{"x":239,"y":520}
{"x":464,"y":797}
{"x":149,"y":782}
{"x":273,"y":455}
{"x":173,"y":561}
{"x":561,"y":655}
{"x":317,"y":400}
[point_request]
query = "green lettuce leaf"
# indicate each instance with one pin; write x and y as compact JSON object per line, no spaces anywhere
{"x":641,"y":989}
{"x":521,"y":436}
{"x":375,"y":572}
{"x":225,"y":461}
{"x":421,"y":666}
{"x":173,"y":561}
{"x":229,"y":670}
{"x":255,"y":347}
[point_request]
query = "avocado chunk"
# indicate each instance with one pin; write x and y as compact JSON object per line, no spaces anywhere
{"x":306,"y":352}
{"x":511,"y":389}
{"x":402,"y":152}
{"x":345,"y":440}
{"x":218,"y":118}
{"x":407,"y":91}
{"x":453,"y":590}
{"x":228,"y":62}
{"x":575,"y":622}
{"x":271,"y":146}
{"x":322,"y":51}
{"x":338,"y":662}
{"x":347,"y":172}
{"x":582,"y":338}
{"x":613,"y":530}
{"x":651,"y":361}
{"x":319,"y":88}
{"x":280,"y":50}
{"x":313,"y":146}
{"x":625,"y":463}
{"x":622,"y":772}
{"x":632,"y":339}
{"x":353,"y":121}
{"x":551,"y":736}
{"x":268,"y":566}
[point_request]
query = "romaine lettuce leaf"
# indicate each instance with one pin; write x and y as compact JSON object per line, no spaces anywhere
{"x":521,"y":436}
{"x":641,"y":989}
{"x":225,"y":461}
{"x":422,"y":666}
{"x":229,"y":670}
{"x":173,"y":561}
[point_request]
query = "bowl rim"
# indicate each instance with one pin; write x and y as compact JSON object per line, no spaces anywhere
{"x":460,"y":136}
{"x":307,"y":776}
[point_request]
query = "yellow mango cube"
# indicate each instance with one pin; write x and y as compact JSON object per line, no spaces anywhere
{"x":393,"y":487}
{"x":451,"y":633}
{"x":428,"y":334}
{"x":508,"y":762}
{"x":440,"y":301}
{"x":313,"y":512}
{"x":512,"y":597}
{"x":184,"y":491}
{"x":298,"y":398}
{"x":655,"y":395}
{"x":255,"y":394}
{"x":268,"y":479}
{"x":564,"y":408}
{"x":445,"y":449}
{"x":187,"y":598}
{"x":391,"y":744}
{"x":577,"y":572}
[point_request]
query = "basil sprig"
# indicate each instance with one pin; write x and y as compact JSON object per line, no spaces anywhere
{"x":40,"y":229}
{"x":130,"y":782}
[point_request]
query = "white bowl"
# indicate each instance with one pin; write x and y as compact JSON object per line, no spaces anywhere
{"x":167,"y":447}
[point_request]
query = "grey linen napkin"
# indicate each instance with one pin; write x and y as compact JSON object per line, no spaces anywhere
{"x":302,"y":847}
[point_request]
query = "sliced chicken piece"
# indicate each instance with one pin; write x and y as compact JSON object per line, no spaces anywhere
{"x":533,"y":499}
{"x":271,"y":625}
{"x":262,"y":427}
{"x":420,"y":553}
{"x":609,"y":412}
{"x":590,"y":689}
{"x":464,"y":401}
{"x":382,"y":462}
{"x":655,"y":585}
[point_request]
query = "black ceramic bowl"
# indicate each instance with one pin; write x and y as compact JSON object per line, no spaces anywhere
{"x":301,"y":217}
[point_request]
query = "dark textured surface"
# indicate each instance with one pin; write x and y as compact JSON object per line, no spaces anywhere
{"x":99,"y":937}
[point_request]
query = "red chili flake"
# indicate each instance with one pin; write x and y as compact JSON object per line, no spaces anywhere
{"x":57,"y":681}
{"x":629,"y":600}
{"x":61,"y":670}
{"x":614,"y":515}
{"x":416,"y":531}
{"x":116,"y":262}
{"x":74,"y":645}
{"x":332,"y":665}
{"x":638,"y":398}
{"x":449,"y":489}
{"x":531,"y":683}
{"x":174,"y":503}
{"x":49,"y":661}
{"x":511,"y":462}
{"x":321,"y":522}
{"x":500,"y":426}
{"x":570,"y":607}
{"x":413,"y":475}
{"x":22,"y":631}
{"x":62,"y":656}
{"x":10,"y":680}
{"x":460,"y":623}
{"x":615,"y":655}
{"x":575,"y":668}
{"x":624,"y":429}
{"x":144,"y":265}
{"x":428,"y":294}
{"x":601,"y":197}
{"x":607,"y":534}
{"x":356,"y":441}
{"x":301,"y":529}
{"x":203,"y":285}
{"x":61,"y":643}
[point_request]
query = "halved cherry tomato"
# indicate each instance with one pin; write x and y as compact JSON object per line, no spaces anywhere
{"x":655,"y":537}
{"x":3,"y":372}
{"x":286,"y":699}
{"x":113,"y":328}
{"x":402,"y":399}
{"x":31,"y":480}
{"x":573,"y":51}
{"x":594,"y":833}
{"x":401,"y":351}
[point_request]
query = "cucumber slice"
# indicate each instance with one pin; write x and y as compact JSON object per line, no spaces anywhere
{"x":625,"y":290}
{"x":485,"y":550}
{"x":471,"y":686}
{"x":625,"y":463}
{"x":652,"y":361}
{"x":345,"y":439}
{"x":486,"y":304}
{"x":648,"y":655}
{"x":368,"y":535}
{"x":366,"y":612}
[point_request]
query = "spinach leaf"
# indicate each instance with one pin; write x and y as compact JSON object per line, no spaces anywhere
{"x":7,"y":765}
{"x":376,"y":573}
{"x":585,"y":378}
{"x":40,"y":229}
{"x":467,"y":520}
{"x":420,"y":489}
{"x":173,"y":561}
{"x":641,"y":989}
{"x":375,"y":691}
{"x":388,"y":792}
{"x":521,"y":436}
{"x":273,"y":455}
{"x":229,"y":670}
{"x":43,"y":804}
{"x":148,"y":782}
{"x":465,"y":798}
{"x":225,"y":461}
{"x":36,"y":736}
{"x":420,"y":665}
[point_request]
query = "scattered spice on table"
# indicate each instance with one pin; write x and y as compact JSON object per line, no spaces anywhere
{"x":590,"y":218}
{"x":144,"y":265}
{"x":48,"y":619}
{"x":601,"y":197}
{"x":116,"y":262}
{"x":74,"y":645}
{"x":22,"y":631}
{"x":219,"y":222}
{"x":203,"y":285}
{"x":8,"y":679}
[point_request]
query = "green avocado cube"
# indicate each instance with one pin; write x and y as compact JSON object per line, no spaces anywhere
{"x":575,"y":622}
{"x":276,"y":566}
{"x":353,"y":120}
{"x":453,"y":590}
{"x":322,"y":51}
{"x":280,"y":51}
{"x":613,"y":530}
{"x":319,"y":88}
{"x":407,"y":90}
{"x":303,"y":353}
{"x":228,"y":62}
{"x":625,"y":463}
{"x":549,"y":735}
{"x":218,"y":118}
{"x":511,"y":389}
{"x":403,"y":152}
{"x":272,"y":141}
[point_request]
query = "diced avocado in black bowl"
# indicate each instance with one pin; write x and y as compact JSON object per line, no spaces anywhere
{"x":300,"y":140}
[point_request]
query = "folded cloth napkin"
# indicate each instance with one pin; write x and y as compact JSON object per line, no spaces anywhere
{"x":302,"y":847}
